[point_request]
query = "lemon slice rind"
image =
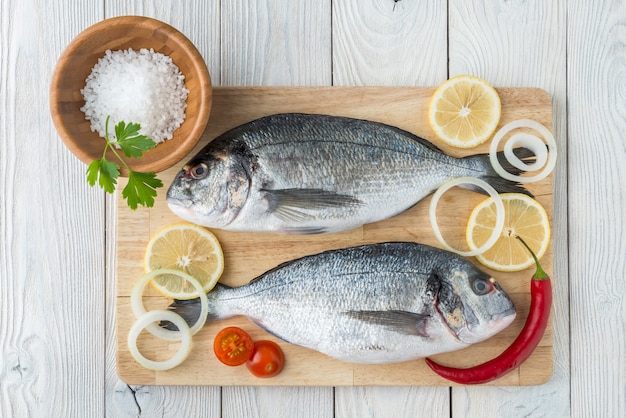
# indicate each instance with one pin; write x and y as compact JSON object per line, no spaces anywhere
{"x":464,"y":111}
{"x":189,"y":248}
{"x":530,"y":221}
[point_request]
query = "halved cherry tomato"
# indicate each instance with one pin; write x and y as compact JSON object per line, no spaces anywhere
{"x":267,"y":359}
{"x":233,"y":346}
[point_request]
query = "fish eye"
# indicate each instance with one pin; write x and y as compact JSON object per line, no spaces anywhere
{"x":198,"y":171}
{"x":481,"y":286}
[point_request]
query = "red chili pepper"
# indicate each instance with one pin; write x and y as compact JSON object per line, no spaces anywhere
{"x":521,"y":348}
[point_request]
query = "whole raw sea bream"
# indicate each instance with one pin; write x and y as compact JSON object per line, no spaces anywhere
{"x":302,"y":173}
{"x":379,"y":303}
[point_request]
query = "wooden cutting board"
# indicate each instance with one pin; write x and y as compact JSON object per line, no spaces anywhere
{"x":248,"y":255}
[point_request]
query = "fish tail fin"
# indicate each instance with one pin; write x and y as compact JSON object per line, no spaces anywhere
{"x":500,"y":184}
{"x":190,"y":309}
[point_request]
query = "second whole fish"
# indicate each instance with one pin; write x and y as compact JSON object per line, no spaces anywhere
{"x":306,"y":174}
{"x":378,"y":303}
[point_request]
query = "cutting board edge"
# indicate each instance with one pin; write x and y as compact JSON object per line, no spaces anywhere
{"x":130,"y":377}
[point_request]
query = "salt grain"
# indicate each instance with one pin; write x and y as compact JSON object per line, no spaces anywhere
{"x":143,"y":87}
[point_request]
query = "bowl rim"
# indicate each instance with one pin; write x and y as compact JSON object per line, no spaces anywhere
{"x":198,"y":63}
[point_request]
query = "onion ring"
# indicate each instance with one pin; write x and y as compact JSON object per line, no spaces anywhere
{"x":147,"y":319}
{"x":138,"y":309}
{"x":526,"y":143}
{"x":497,"y":231}
{"x":530,"y":142}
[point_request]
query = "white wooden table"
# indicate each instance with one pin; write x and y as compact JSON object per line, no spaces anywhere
{"x":57,"y":287}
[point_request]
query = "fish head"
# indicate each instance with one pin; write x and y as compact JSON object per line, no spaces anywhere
{"x":472,"y":304}
{"x":210,"y":190}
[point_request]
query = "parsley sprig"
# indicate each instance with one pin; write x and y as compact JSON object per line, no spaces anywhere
{"x":141,"y":187}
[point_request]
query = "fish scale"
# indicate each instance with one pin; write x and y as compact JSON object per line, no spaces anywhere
{"x":301,"y":173}
{"x":377,"y":303}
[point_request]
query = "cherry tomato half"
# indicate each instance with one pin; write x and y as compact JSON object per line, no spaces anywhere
{"x":267,"y":359}
{"x":233,"y":346}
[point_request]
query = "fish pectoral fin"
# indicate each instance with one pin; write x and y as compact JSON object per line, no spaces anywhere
{"x":290,"y":204}
{"x":260,"y":324}
{"x":404,"y":322}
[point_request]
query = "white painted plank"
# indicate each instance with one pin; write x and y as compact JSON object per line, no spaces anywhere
{"x":387,"y":43}
{"x":390,"y":43}
{"x":397,"y":402}
{"x":277,"y":402}
{"x":522,"y":43}
{"x":597,"y":168}
{"x":199,"y":21}
{"x":276,"y":43}
{"x":51,"y":364}
{"x":51,"y":228}
{"x":273,"y":42}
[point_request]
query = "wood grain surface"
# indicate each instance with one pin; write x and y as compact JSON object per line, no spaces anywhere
{"x":58,"y":343}
{"x":597,"y":210}
{"x":248,"y":255}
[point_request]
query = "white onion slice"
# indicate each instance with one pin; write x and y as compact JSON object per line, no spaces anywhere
{"x":524,"y":141}
{"x":530,"y":142}
{"x":149,"y":318}
{"x":497,"y":231}
{"x":136,"y":302}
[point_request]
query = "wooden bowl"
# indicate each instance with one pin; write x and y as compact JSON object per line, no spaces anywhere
{"x":119,"y":33}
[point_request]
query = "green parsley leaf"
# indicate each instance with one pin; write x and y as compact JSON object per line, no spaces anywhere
{"x":93,"y":171}
{"x":105,"y":172}
{"x":122,"y":130}
{"x":130,"y":141}
{"x":135,"y":147}
{"x":141,"y":189}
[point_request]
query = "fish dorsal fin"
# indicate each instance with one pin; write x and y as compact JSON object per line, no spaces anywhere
{"x":404,"y":322}
{"x":290,"y":204}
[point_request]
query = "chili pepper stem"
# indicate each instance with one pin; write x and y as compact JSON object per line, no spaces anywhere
{"x":540,"y":274}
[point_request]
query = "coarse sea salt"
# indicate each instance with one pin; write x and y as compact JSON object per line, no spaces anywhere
{"x":143,"y":87}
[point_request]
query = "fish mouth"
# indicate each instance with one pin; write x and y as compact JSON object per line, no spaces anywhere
{"x":503,"y":315}
{"x":182,"y":208}
{"x":503,"y":319}
{"x":179,"y":203}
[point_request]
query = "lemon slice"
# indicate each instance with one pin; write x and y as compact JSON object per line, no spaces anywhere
{"x":525,"y":217}
{"x":189,"y":248}
{"x":464,"y":111}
